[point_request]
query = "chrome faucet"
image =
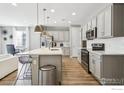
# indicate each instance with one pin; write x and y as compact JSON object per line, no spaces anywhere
{"x":52,"y":42}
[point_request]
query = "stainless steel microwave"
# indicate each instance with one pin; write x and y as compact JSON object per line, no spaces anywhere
{"x":91,"y":34}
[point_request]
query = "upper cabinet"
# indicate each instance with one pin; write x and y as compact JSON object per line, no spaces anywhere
{"x":89,"y":25}
{"x":108,"y":30}
{"x":93,"y":22}
{"x":110,"y":21}
{"x":118,"y":20}
{"x":66,"y":36}
{"x":100,"y":24}
{"x":60,"y":36}
{"x":55,"y":35}
{"x":84,"y":29}
{"x":104,"y":23}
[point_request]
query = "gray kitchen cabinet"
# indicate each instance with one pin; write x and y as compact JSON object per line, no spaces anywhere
{"x":117,"y":20}
{"x":107,"y":68}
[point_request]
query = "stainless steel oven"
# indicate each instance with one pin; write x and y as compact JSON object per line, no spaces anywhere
{"x":85,"y":59}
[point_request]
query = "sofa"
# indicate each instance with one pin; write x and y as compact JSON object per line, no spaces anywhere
{"x":8,"y":64}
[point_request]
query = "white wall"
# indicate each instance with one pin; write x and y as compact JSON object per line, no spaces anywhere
{"x":9,"y":30}
{"x":34,"y":39}
{"x":111,"y":44}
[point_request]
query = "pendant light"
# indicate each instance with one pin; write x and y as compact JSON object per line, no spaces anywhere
{"x":38,"y":28}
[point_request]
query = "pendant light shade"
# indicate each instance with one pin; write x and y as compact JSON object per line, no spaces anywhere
{"x":38,"y":28}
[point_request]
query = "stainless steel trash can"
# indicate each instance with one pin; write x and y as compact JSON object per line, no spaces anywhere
{"x":47,"y":75}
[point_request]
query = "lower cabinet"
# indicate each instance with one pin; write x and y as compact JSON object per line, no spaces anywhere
{"x":95,"y":65}
{"x":107,"y":69}
{"x":98,"y":69}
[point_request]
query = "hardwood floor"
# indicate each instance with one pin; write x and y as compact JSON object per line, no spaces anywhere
{"x":72,"y":74}
{"x":9,"y":79}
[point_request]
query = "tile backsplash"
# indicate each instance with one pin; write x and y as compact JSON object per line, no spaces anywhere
{"x":111,"y":44}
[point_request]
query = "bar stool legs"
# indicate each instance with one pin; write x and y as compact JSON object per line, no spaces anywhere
{"x":25,"y":75}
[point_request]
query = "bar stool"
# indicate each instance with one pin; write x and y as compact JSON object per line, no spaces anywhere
{"x":26,"y":61}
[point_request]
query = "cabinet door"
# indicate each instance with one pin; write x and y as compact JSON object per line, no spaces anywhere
{"x":60,"y":36}
{"x":84,"y":32}
{"x":89,"y":25}
{"x":93,"y":22}
{"x":100,"y":24}
{"x":66,"y":36}
{"x":91,"y":64}
{"x":55,"y":35}
{"x":108,"y":32}
{"x":95,"y":62}
{"x":97,"y":68}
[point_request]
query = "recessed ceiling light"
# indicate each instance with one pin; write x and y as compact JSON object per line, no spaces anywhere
{"x":55,"y":22}
{"x":52,"y":10}
{"x":69,"y":22}
{"x":73,"y":13}
{"x":14,"y":4}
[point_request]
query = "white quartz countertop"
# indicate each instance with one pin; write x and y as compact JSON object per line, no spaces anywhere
{"x":106,"y":52}
{"x":44,"y":51}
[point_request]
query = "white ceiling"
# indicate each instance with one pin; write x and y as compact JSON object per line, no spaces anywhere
{"x":26,"y":13}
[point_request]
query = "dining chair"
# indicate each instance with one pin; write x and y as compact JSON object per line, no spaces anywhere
{"x":11,"y":49}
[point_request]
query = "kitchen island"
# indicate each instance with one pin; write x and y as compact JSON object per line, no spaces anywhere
{"x":44,"y":56}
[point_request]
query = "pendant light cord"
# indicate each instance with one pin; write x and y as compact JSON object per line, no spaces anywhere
{"x":37,"y":14}
{"x":44,"y":10}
